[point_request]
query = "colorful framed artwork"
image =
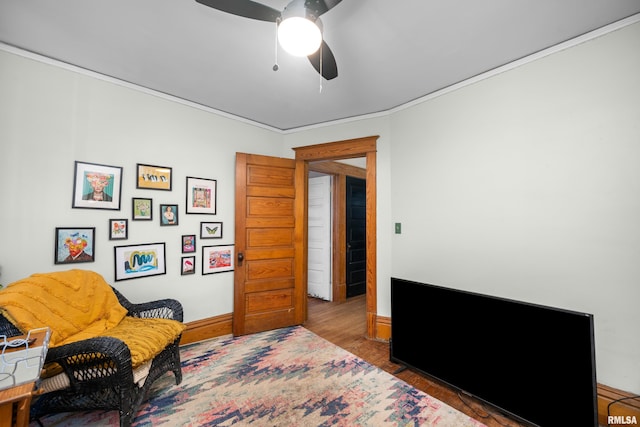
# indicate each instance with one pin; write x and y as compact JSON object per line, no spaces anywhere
{"x":188,"y":243}
{"x":168,"y":214}
{"x":188,"y":265}
{"x":153,"y":177}
{"x":217,"y":259}
{"x":142,"y":209}
{"x":211,"y":230}
{"x":135,"y":261}
{"x":96,"y":186}
{"x":201,"y":196}
{"x":118,"y":229}
{"x":75,"y":245}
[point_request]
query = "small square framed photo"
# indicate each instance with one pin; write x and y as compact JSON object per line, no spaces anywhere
{"x":201,"y":196}
{"x":96,"y":186}
{"x":142,"y":209}
{"x":168,"y":214}
{"x":118,"y":229}
{"x":188,"y":265}
{"x":75,"y":245}
{"x":188,"y":243}
{"x":153,"y":177}
{"x":211,"y":230}
{"x":135,"y":261}
{"x":217,"y":259}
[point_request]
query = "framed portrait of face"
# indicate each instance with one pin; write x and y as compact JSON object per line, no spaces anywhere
{"x":96,"y":186}
{"x":168,"y":214}
{"x":75,"y":245}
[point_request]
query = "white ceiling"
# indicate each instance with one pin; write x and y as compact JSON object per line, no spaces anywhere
{"x":388,"y":52}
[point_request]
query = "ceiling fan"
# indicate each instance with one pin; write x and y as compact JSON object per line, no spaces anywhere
{"x":322,"y":58}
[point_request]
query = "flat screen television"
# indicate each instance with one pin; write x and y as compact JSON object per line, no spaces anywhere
{"x":532,"y":362}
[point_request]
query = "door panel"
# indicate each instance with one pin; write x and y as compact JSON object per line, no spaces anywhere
{"x":319,"y":269}
{"x":269,"y":301}
{"x":265,"y":295}
{"x":274,"y":237}
{"x":267,"y":206}
{"x":356,"y":230}
{"x":269,"y":269}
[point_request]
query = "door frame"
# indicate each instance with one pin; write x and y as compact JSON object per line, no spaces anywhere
{"x":346,"y":149}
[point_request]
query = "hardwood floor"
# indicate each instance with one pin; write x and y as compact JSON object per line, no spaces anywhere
{"x":344,"y":324}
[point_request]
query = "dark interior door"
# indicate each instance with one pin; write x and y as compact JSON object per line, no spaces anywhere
{"x":356,"y":230}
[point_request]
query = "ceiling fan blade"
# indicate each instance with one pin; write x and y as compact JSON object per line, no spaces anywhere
{"x":329,"y":67}
{"x":244,"y":8}
{"x":320,"y":6}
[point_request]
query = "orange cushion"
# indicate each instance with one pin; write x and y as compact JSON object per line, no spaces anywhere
{"x":146,"y":337}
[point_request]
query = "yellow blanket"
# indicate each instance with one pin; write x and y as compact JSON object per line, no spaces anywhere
{"x":146,"y":338}
{"x":74,"y":304}
{"x":79,"y":304}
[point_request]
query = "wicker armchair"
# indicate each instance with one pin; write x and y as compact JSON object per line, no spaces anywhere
{"x":99,"y":370}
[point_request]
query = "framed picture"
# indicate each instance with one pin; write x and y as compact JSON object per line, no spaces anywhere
{"x":211,"y":230}
{"x":135,"y":261}
{"x":188,"y":243}
{"x":75,"y":245}
{"x":153,"y":177}
{"x":217,"y":259}
{"x":96,"y":186}
{"x":201,"y":196}
{"x":118,"y":229}
{"x":142,"y":209}
{"x":188,"y":265}
{"x":168,"y":214}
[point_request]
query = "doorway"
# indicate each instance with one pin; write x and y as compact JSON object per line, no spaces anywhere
{"x":349,"y":149}
{"x":341,"y":273}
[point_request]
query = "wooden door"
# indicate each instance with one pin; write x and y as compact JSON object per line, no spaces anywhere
{"x":356,"y":236}
{"x":268,"y":290}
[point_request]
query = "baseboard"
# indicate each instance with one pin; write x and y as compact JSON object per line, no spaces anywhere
{"x":217,"y":326}
{"x":625,"y":408}
{"x":204,"y":329}
{"x":383,"y":328}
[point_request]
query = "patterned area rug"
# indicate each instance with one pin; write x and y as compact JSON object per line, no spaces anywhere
{"x":286,"y":377}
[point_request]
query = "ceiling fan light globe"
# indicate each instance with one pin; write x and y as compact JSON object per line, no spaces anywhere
{"x":299,"y":36}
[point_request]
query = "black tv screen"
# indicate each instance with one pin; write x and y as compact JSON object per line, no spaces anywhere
{"x":532,"y":362}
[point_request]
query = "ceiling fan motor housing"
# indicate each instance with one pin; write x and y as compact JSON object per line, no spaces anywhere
{"x":308,"y":9}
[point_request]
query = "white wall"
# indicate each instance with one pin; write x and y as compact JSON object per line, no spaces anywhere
{"x":51,"y":117}
{"x":527,"y":185}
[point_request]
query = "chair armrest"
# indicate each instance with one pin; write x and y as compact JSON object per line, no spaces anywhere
{"x":100,"y":360}
{"x":163,"y":309}
{"x":7,"y":328}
